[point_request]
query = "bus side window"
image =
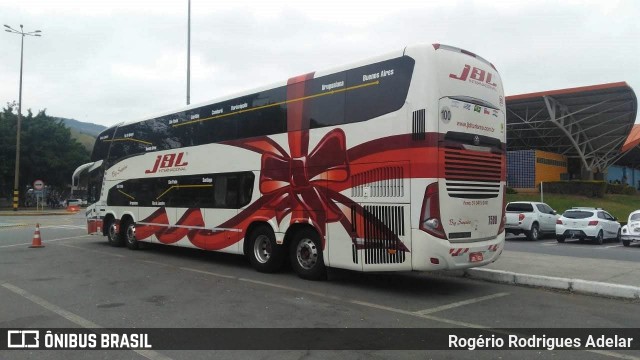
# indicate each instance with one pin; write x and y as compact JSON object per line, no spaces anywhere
{"x":246,"y":189}
{"x":220,"y":192}
{"x":232,"y":191}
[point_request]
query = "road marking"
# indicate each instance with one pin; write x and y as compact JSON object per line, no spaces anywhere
{"x":613,"y":246}
{"x":209,"y":273}
{"x":460,"y":303}
{"x":95,"y":251}
{"x":63,"y":227}
{"x":9,"y":225}
{"x":76,"y":319}
{"x":44,"y":242}
{"x":555,"y":243}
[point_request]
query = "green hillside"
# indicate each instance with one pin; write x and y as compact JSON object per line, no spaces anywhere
{"x":86,"y":140}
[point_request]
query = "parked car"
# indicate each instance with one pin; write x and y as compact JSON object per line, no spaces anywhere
{"x":531,"y":218}
{"x":73,"y":202}
{"x":631,"y":231}
{"x":587,"y":223}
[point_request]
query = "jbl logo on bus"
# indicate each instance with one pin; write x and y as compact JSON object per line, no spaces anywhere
{"x":168,"y":162}
{"x":475,"y":74}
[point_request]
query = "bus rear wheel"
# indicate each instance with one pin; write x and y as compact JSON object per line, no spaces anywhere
{"x":264,"y":254}
{"x":113,"y":234}
{"x":306,"y":255}
{"x":129,"y":228}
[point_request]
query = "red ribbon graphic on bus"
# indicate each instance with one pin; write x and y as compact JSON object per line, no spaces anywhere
{"x":299,"y":184}
{"x":303,"y":184}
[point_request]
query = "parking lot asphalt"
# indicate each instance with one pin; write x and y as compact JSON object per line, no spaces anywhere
{"x":602,"y":277}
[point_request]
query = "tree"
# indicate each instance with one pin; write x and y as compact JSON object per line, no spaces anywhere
{"x":47,"y":151}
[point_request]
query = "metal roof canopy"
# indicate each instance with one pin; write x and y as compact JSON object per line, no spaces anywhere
{"x":590,"y":123}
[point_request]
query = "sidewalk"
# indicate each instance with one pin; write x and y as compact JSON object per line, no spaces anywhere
{"x":602,"y":277}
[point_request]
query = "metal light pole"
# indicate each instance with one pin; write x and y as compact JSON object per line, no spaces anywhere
{"x":189,"y":55}
{"x":16,"y":186}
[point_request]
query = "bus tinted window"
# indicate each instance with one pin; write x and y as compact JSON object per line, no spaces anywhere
{"x":326,"y":105}
{"x":229,"y":191}
{"x":377,"y":89}
{"x":101,"y":146}
{"x":129,"y":140}
{"x":355,"y":95}
{"x":266,"y":114}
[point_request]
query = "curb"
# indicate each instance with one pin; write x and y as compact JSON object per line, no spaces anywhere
{"x":549,"y":282}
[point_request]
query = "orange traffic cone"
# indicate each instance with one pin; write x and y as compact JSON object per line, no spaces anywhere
{"x":36,"y":242}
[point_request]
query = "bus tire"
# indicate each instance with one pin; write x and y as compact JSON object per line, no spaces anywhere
{"x":264,"y":254}
{"x":114,"y":237}
{"x":129,"y":233}
{"x":306,"y":255}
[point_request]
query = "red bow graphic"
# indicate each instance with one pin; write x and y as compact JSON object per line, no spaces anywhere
{"x":299,"y":185}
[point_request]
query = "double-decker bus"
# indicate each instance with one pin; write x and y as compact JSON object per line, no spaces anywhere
{"x":394,"y":163}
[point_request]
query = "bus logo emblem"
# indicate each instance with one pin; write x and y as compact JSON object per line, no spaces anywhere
{"x":476,"y":140}
{"x":168,"y":162}
{"x":475,"y":75}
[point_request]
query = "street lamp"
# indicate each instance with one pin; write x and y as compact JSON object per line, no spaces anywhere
{"x":189,"y":54}
{"x":11,"y":30}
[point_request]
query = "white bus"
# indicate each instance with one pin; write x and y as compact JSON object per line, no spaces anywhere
{"x":394,"y":163}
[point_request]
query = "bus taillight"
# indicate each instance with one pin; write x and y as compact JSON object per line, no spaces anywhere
{"x":430,"y":216}
{"x":503,"y":221}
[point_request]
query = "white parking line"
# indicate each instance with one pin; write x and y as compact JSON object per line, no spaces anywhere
{"x":95,"y":251}
{"x":63,"y":227}
{"x":45,"y":241}
{"x":460,"y":303}
{"x":612,"y":246}
{"x":76,"y":319}
{"x":555,"y":243}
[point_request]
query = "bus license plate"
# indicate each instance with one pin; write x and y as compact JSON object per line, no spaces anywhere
{"x":475,"y":257}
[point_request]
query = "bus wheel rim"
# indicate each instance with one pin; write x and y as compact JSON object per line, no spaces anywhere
{"x":307,"y":253}
{"x":112,"y":231}
{"x":262,"y":249}
{"x":131,"y":233}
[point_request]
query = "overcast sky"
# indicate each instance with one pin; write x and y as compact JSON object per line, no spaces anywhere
{"x":107,"y":61}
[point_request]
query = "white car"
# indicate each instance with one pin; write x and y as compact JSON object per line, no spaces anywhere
{"x":531,"y":218}
{"x":631,"y":231}
{"x":587,"y":223}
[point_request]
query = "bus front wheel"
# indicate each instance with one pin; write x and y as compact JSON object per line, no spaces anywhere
{"x":264,"y":254}
{"x":306,"y":255}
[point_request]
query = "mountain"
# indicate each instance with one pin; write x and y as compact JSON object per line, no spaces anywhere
{"x":85,"y":133}
{"x":83,"y":127}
